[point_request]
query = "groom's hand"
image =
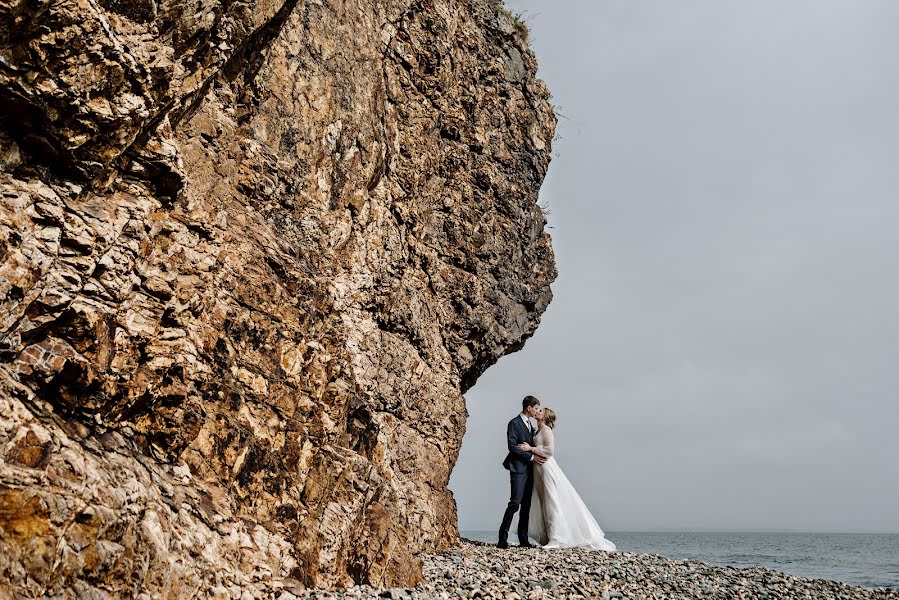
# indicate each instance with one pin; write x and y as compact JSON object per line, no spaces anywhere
{"x":539,"y":459}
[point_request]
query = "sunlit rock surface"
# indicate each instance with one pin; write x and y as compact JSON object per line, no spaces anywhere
{"x":251,"y":256}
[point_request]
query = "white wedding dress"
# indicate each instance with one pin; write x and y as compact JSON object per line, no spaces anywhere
{"x":559,"y":518}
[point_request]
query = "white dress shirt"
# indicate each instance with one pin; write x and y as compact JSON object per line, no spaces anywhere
{"x":527,"y":422}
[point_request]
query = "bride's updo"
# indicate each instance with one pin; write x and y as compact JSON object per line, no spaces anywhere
{"x":549,"y":417}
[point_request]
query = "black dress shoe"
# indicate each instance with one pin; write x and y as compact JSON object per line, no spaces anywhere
{"x":528,"y":545}
{"x":502,"y":545}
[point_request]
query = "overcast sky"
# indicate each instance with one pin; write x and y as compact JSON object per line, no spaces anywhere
{"x":723,"y":346}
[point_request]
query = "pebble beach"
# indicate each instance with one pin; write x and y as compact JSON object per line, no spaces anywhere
{"x":480,"y":570}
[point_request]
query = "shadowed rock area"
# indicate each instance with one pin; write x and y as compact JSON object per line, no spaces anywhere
{"x":251,"y":256}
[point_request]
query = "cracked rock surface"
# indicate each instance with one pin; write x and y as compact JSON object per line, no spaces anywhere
{"x":252,"y":253}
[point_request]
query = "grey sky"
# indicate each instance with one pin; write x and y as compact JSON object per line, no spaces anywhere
{"x":723,"y":346}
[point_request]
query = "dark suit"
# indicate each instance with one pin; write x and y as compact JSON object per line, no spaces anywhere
{"x":521,"y":476}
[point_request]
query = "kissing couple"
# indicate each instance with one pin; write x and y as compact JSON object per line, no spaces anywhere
{"x":551,"y":510}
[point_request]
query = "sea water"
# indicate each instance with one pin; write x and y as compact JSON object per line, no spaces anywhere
{"x":864,"y":559}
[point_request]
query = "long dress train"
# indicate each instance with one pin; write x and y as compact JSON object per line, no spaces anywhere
{"x":559,"y":518}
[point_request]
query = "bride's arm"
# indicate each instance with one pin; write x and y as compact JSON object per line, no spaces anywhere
{"x":546,"y":449}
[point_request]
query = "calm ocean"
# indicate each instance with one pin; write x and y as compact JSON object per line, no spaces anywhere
{"x":866,"y":559}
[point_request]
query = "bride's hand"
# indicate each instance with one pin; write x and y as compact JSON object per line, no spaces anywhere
{"x":526,"y":447}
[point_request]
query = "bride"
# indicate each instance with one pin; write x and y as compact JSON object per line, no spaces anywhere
{"x":559,"y":518}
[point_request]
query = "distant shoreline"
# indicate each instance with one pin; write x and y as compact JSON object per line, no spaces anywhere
{"x":748,"y":531}
{"x":612,"y":532}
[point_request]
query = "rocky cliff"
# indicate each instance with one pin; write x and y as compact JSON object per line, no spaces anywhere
{"x":252,"y":253}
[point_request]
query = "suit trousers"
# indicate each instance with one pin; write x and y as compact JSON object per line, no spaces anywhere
{"x":522,"y":485}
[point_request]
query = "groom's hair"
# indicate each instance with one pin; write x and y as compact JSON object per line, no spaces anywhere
{"x":528,"y":402}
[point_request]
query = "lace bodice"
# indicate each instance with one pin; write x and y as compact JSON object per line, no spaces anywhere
{"x":543,"y":442}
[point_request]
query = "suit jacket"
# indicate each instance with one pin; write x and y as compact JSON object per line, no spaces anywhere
{"x":518,"y":461}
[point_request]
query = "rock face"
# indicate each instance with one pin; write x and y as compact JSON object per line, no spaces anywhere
{"x":251,"y":256}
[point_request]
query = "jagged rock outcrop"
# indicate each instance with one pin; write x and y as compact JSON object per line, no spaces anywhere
{"x":251,"y":256}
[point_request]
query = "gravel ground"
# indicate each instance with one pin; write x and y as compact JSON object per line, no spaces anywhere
{"x":478,"y":570}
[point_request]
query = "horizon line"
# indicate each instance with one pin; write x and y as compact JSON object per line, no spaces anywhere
{"x":715,"y":530}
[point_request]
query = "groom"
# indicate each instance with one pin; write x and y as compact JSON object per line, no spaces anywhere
{"x":520,"y":465}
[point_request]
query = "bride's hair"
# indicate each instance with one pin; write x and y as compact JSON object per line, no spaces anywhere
{"x":549,"y":417}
